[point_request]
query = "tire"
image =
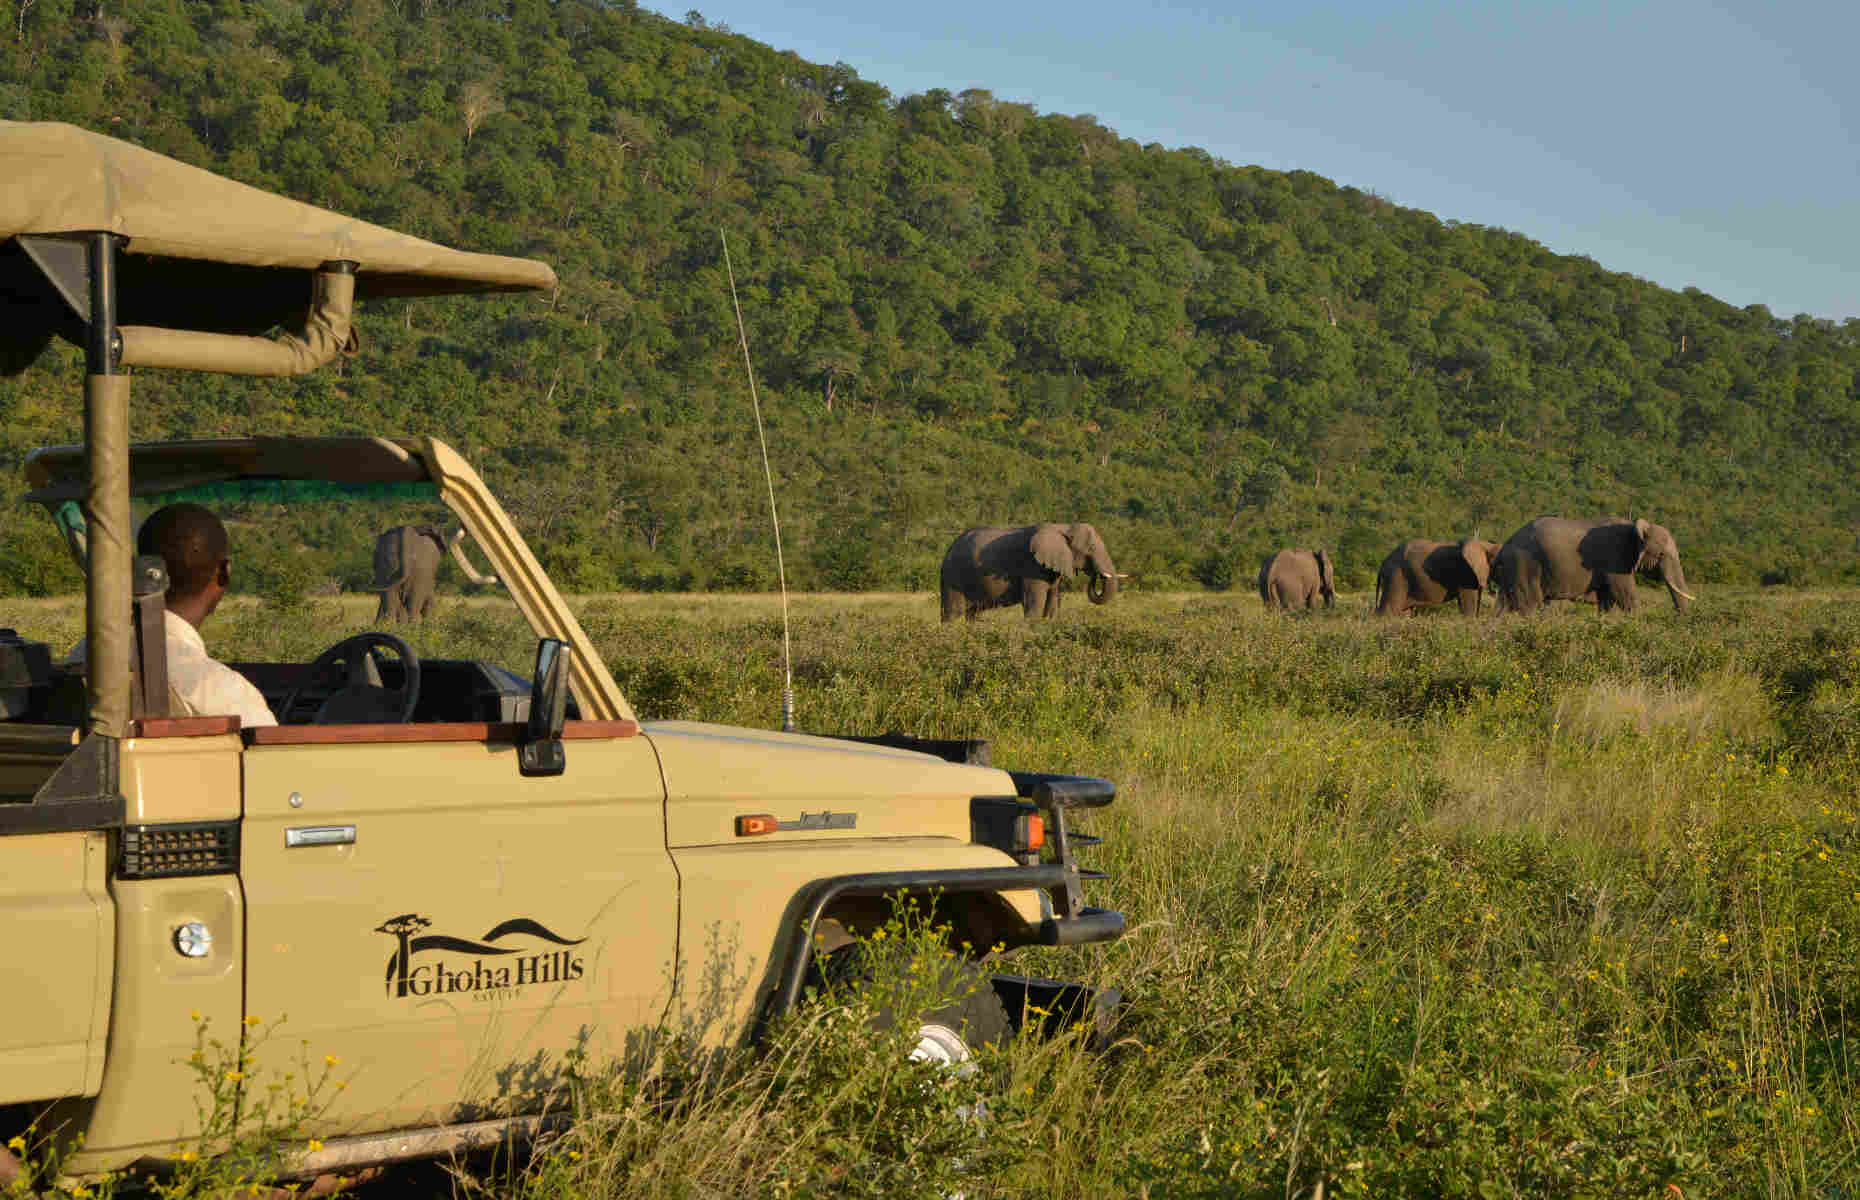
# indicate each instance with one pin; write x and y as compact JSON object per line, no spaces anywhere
{"x":950,"y":1035}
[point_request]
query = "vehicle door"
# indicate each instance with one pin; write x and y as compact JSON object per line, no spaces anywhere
{"x":446,"y":927}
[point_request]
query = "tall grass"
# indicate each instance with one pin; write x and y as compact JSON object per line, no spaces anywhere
{"x":1554,"y":906}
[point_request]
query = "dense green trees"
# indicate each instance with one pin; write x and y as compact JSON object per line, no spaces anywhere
{"x":959,"y":310}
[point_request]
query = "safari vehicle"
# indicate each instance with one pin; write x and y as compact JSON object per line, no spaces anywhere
{"x":439,"y":870}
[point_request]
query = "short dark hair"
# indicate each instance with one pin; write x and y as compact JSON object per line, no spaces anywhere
{"x":191,"y":540}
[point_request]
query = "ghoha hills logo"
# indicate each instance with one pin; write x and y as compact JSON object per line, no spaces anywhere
{"x":492,"y":967}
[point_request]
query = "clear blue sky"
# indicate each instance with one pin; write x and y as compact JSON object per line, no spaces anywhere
{"x":1694,"y":143}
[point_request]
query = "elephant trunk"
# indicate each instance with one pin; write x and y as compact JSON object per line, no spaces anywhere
{"x":1102,"y":587}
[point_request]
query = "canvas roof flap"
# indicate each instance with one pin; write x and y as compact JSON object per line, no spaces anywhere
{"x":197,"y":253}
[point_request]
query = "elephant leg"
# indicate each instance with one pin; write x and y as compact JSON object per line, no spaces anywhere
{"x":953,"y":603}
{"x":1469,"y":602}
{"x":1614,"y":591}
{"x":1033,"y":597}
{"x":1053,"y":594}
{"x":384,"y":608}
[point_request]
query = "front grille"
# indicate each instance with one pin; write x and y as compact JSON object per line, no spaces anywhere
{"x":188,"y":848}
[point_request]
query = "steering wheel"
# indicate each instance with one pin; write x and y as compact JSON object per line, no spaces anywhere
{"x":362,"y":699}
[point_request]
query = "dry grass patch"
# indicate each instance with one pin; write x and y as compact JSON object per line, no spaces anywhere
{"x":1625,"y":764}
{"x":1727,"y":705}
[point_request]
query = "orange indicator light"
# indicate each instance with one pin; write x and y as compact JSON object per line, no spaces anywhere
{"x":1036,"y":831}
{"x":756,"y":824}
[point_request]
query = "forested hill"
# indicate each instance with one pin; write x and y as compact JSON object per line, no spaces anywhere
{"x":960,"y":310}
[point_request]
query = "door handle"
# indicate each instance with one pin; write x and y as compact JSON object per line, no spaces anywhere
{"x":320,"y":835}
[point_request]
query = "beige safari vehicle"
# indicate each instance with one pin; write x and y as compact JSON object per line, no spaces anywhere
{"x":436,"y":869}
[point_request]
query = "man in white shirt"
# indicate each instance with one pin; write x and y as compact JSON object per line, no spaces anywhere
{"x":193,"y":543}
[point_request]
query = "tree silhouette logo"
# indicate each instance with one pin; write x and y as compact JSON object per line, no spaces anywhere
{"x":402,"y":927}
{"x":402,"y":979}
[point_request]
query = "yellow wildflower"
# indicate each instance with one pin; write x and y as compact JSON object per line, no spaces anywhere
{"x":330,"y":1060}
{"x":313,"y":1145}
{"x":234,"y":1076}
{"x":16,"y":1144}
{"x":251,"y":1021}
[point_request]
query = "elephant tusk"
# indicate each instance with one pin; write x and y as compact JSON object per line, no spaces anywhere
{"x":1686,"y":594}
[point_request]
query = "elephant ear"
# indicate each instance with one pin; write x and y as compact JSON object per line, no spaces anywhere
{"x":1052,"y":548}
{"x":1324,"y":572}
{"x":1641,"y":529}
{"x":1478,"y":557}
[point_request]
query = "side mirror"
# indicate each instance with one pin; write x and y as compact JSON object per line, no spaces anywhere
{"x":541,"y":751}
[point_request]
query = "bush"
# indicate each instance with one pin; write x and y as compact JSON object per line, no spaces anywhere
{"x":1214,"y":571}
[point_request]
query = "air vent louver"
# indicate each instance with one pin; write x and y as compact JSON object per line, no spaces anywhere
{"x":171,"y":851}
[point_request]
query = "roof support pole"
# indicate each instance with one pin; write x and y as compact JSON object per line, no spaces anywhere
{"x":106,"y":503}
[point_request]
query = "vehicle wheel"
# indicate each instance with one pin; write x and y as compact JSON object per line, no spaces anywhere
{"x":949,"y":1035}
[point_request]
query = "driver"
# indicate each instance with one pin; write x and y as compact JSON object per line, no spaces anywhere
{"x":193,"y":543}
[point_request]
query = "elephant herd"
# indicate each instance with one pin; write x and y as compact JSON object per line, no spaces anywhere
{"x":1552,"y":558}
{"x":992,"y":567}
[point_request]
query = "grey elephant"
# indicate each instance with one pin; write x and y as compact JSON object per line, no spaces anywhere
{"x":1557,"y":559}
{"x":406,"y":564}
{"x":1420,"y":574}
{"x":1297,"y":579}
{"x":991,"y":567}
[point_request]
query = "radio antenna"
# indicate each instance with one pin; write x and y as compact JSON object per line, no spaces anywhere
{"x":768,"y":476}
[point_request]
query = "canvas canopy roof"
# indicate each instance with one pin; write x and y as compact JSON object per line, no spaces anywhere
{"x":202,"y":252}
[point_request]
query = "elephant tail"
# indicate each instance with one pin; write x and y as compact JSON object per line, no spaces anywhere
{"x":390,"y":585}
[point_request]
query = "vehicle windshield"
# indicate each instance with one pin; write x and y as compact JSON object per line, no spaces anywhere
{"x":313,"y":562}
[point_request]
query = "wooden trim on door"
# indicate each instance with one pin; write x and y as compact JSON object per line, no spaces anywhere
{"x":451,"y":731}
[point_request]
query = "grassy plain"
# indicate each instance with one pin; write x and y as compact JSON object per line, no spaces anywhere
{"x":1562,"y":906}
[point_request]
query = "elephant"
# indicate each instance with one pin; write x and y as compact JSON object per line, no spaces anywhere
{"x":1291,"y":579}
{"x":1557,"y":559}
{"x":991,"y":567}
{"x":1421,"y":573}
{"x":406,"y":564}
